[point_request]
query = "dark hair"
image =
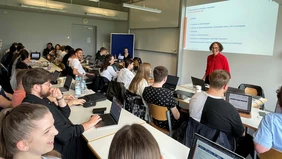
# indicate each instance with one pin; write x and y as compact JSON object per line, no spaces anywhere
{"x":78,"y":49}
{"x":134,"y":141}
{"x":125,"y":48}
{"x":106,"y":62}
{"x":71,"y":52}
{"x":50,"y":44}
{"x":160,"y":72}
{"x":102,"y":49}
{"x":57,"y":45}
{"x":23,"y":55}
{"x":219,"y":78}
{"x":16,"y":125}
{"x":20,"y":74}
{"x":279,"y":96}
{"x":68,"y":48}
{"x":13,"y":49}
{"x":35,"y":76}
{"x":128,"y":62}
{"x":15,"y":44}
{"x":20,"y":47}
{"x":219,"y":45}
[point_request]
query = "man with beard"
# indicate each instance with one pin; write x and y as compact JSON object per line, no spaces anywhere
{"x":68,"y":142}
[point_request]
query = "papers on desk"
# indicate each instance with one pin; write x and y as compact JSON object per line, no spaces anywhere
{"x":166,"y":154}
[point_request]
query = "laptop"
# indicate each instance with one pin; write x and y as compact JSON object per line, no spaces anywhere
{"x":242,"y":102}
{"x":67,"y":84}
{"x":35,"y":55}
{"x":205,"y":148}
{"x":94,"y":97}
{"x":55,"y":76}
{"x":200,"y":82}
{"x":171,"y":82}
{"x":113,"y":117}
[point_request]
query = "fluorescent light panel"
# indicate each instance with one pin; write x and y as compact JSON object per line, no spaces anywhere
{"x":99,"y":15}
{"x":43,"y":8}
{"x":94,"y":0}
{"x":143,"y":8}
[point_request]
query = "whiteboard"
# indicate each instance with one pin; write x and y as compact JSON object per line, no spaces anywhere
{"x":159,"y":40}
{"x":144,"y":19}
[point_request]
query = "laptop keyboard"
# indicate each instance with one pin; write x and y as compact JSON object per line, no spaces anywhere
{"x":108,"y":119}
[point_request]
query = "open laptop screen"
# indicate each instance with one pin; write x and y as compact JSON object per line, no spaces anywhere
{"x":35,"y":55}
{"x":171,"y":82}
{"x":241,"y":102}
{"x":55,"y":76}
{"x":116,"y":109}
{"x":206,"y":149}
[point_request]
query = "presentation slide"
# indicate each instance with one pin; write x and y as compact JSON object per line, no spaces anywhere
{"x":241,"y":26}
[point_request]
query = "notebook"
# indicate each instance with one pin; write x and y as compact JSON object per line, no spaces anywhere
{"x":206,"y":149}
{"x":113,"y":117}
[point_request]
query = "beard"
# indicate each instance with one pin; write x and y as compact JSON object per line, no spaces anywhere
{"x":44,"y":94}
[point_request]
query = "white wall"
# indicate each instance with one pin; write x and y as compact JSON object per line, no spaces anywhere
{"x":159,"y":59}
{"x":264,"y":71}
{"x":35,"y":30}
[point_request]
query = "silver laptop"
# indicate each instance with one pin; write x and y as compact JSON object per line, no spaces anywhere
{"x":113,"y":117}
{"x":67,"y":84}
{"x":242,"y":102}
{"x":206,"y":149}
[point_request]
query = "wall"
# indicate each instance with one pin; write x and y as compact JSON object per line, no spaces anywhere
{"x":254,"y":69}
{"x":35,"y":30}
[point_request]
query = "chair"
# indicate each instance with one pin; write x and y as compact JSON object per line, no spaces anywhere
{"x":162,"y":114}
{"x":134,"y":104}
{"x":117,"y":90}
{"x":272,"y":153}
{"x":4,"y":68}
{"x":253,"y":90}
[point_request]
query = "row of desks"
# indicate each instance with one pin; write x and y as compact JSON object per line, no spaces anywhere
{"x":99,"y":139}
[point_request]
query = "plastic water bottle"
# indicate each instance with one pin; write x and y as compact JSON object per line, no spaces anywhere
{"x":77,"y":87}
{"x":83,"y":84}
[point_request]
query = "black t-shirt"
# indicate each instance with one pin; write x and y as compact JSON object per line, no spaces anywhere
{"x":21,"y":65}
{"x":161,"y":97}
{"x":221,"y":115}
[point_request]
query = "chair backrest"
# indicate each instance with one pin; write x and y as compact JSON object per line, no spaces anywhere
{"x":3,"y":67}
{"x":252,"y":89}
{"x":272,"y":153}
{"x":158,"y":112}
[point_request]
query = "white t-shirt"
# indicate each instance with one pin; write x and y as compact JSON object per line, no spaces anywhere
{"x":109,"y":73}
{"x":125,"y":76}
{"x":74,"y":63}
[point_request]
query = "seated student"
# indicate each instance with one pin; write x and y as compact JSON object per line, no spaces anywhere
{"x":125,"y":75}
{"x":36,"y":83}
{"x":100,"y":55}
{"x":136,"y":142}
{"x":106,"y":69}
{"x":27,"y":131}
{"x":19,"y":93}
{"x":126,"y":54}
{"x":155,"y":94}
{"x":269,"y":133}
{"x":140,"y":80}
{"x":213,"y":111}
{"x":5,"y":99}
{"x":48,"y":49}
{"x":75,"y":64}
{"x":23,"y":60}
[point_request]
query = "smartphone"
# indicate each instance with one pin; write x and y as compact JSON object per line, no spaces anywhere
{"x":99,"y":110}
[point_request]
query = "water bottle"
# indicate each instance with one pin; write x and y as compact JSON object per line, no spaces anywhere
{"x":83,"y":84}
{"x":77,"y":87}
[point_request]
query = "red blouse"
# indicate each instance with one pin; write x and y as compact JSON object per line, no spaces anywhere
{"x":218,"y":62}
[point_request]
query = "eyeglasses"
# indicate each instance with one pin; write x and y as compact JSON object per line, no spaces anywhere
{"x":215,"y":48}
{"x":47,"y":84}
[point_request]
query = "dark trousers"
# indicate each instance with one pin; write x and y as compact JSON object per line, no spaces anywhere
{"x":245,"y":146}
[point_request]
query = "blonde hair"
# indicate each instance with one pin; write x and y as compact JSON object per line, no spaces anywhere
{"x":136,"y":142}
{"x":16,"y":125}
{"x":143,"y":72}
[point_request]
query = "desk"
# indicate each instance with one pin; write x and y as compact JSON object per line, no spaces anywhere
{"x":53,"y":66}
{"x":255,"y":119}
{"x":170,"y":148}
